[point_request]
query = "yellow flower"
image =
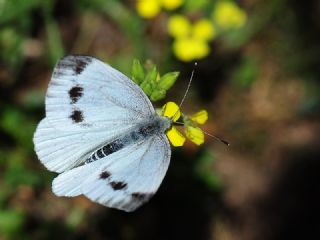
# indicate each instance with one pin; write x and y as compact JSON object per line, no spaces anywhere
{"x":175,"y":137}
{"x":171,"y":110}
{"x":201,"y":49}
{"x":171,"y":4}
{"x":195,"y":134}
{"x":200,"y":117}
{"x":178,"y":26}
{"x":148,"y":8}
{"x":151,"y":8}
{"x":188,"y":49}
{"x":228,"y":15}
{"x":203,"y":29}
{"x":191,"y":40}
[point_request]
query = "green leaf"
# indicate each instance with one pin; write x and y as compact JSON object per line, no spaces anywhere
{"x":137,"y":72}
{"x":149,"y":83}
{"x":158,"y":95}
{"x":146,"y":87}
{"x":152,"y":76}
{"x":167,"y":80}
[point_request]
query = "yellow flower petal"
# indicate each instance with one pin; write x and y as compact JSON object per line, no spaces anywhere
{"x":175,"y":137}
{"x":171,"y":4}
{"x":201,"y":49}
{"x":200,"y":117}
{"x":183,"y":49}
{"x":194,"y":134}
{"x":171,"y":109}
{"x":228,"y":15}
{"x":148,"y":8}
{"x":203,"y":29}
{"x":178,"y":26}
{"x":188,"y":49}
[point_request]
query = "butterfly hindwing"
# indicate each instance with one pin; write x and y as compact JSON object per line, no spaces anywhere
{"x":124,"y":180}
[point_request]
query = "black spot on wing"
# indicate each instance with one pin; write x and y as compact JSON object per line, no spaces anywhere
{"x":76,"y":116}
{"x":118,"y":185}
{"x":141,"y":197}
{"x":75,"y":93}
{"x":74,"y":63}
{"x":105,"y":175}
{"x":81,"y":64}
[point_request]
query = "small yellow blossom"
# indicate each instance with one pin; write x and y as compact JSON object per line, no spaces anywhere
{"x":171,"y":110}
{"x":171,"y":4}
{"x":201,"y":49}
{"x":203,"y":29}
{"x":188,"y":49}
{"x":200,"y":117}
{"x":148,"y":8}
{"x":195,"y":134}
{"x":191,"y":40}
{"x":175,"y":137}
{"x":228,"y":15}
{"x":151,"y":8}
{"x":179,"y":26}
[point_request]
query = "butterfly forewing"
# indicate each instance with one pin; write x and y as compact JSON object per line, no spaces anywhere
{"x":86,"y":93}
{"x":87,"y":103}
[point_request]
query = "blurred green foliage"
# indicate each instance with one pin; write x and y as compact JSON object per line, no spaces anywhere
{"x":246,"y":73}
{"x":204,"y":170}
{"x":31,"y":32}
{"x":34,"y":34}
{"x":11,"y":222}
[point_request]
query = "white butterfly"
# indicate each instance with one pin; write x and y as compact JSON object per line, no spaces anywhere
{"x":101,"y":133}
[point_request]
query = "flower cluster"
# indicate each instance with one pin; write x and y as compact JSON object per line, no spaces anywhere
{"x":227,"y":15}
{"x":191,"y":41}
{"x":191,"y":129}
{"x":151,"y":8}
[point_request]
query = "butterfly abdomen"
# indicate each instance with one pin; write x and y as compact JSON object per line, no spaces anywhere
{"x":143,"y":131}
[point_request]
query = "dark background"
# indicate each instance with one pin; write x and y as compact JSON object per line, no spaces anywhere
{"x":260,"y":85}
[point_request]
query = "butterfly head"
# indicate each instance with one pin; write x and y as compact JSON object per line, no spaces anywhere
{"x":170,"y":114}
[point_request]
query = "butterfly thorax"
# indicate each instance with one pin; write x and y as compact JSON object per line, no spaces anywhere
{"x":139,"y":133}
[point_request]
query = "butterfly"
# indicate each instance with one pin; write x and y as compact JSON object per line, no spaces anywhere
{"x":102,"y":135}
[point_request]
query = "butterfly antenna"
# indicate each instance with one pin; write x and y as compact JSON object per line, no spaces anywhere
{"x":217,"y":138}
{"x":179,"y":123}
{"x":186,"y":92}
